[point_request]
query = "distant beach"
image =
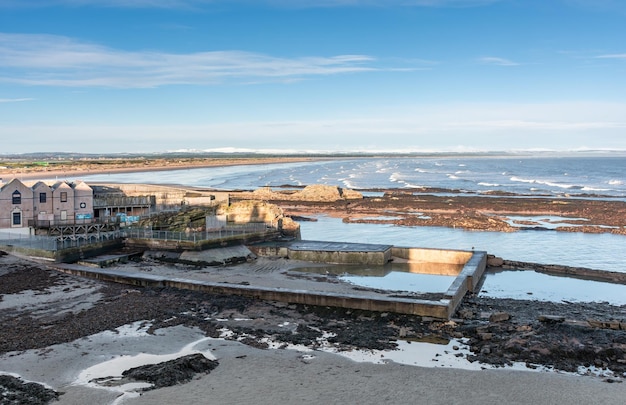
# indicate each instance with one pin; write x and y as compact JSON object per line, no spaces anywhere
{"x":77,"y":168}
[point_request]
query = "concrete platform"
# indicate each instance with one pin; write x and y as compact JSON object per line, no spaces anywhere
{"x":272,"y":278}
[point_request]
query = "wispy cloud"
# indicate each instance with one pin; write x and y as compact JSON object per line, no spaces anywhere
{"x":195,"y":4}
{"x":48,"y":60}
{"x":612,"y":56}
{"x":492,"y":60}
{"x":15,"y":100}
{"x":492,"y":126}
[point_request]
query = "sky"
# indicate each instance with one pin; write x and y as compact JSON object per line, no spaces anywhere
{"x":142,"y":76}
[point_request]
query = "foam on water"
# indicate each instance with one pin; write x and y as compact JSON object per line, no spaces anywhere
{"x":508,"y":174}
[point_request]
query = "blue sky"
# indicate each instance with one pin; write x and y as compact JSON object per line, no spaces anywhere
{"x":99,"y":76}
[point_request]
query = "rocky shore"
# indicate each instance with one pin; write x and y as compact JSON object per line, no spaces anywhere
{"x":425,"y":207}
{"x":498,"y":332}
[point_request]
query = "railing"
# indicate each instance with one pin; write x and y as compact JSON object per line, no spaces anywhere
{"x":44,"y":223}
{"x":52,"y":243}
{"x":210,"y":234}
{"x":123,"y":201}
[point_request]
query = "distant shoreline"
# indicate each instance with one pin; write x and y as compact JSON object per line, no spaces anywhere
{"x":76,"y":169}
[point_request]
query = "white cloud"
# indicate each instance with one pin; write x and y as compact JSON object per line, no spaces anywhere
{"x":14,"y":100}
{"x":492,"y":60}
{"x":49,"y":60}
{"x":559,"y":126}
{"x":612,"y":56}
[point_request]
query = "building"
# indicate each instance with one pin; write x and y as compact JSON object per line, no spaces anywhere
{"x":42,"y":205}
{"x":16,"y":205}
{"x":23,"y":206}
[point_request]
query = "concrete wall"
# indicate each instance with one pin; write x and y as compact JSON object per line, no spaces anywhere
{"x":323,"y":256}
{"x":373,"y":258}
{"x":467,"y":280}
{"x":397,"y":305}
{"x":171,"y":195}
{"x":417,"y":255}
{"x":270,"y":250}
{"x":70,"y":255}
{"x":432,"y":261}
{"x":200,"y":244}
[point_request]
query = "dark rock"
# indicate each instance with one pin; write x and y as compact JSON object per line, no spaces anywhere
{"x":551,"y":318}
{"x":16,"y":391}
{"x":499,"y":317}
{"x":172,"y":372}
{"x":493,"y":261}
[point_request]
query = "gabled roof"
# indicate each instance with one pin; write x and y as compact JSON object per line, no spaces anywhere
{"x":40,"y":184}
{"x":12,"y":181}
{"x":81,"y":185}
{"x":60,"y":184}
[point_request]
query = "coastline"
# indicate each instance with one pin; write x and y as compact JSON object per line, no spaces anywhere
{"x":67,"y":331}
{"x":74,"y":169}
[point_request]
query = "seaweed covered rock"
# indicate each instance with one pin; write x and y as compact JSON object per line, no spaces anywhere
{"x":14,"y":390}
{"x":172,"y":372}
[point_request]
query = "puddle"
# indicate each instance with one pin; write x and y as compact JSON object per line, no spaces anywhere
{"x":420,"y":354}
{"x":108,"y":374}
{"x":411,"y":277}
{"x":378,"y":218}
{"x":548,"y":222}
{"x":528,"y":284}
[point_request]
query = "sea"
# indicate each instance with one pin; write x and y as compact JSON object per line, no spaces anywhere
{"x":590,"y":177}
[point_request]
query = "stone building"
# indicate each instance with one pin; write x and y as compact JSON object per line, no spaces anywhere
{"x":24,"y":206}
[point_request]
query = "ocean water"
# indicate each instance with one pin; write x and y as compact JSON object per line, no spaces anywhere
{"x":595,"y":251}
{"x":552,"y":176}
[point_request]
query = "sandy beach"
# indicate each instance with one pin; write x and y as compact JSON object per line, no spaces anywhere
{"x":66,"y":332}
{"x":73,"y":169}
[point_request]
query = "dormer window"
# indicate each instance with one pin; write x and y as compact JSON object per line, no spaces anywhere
{"x":17,"y":197}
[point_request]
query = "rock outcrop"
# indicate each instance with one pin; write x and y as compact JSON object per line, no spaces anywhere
{"x":314,"y":193}
{"x":192,"y":219}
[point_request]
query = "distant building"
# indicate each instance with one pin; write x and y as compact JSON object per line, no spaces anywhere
{"x":23,"y":206}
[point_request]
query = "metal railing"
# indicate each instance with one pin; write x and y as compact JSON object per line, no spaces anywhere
{"x":210,"y":234}
{"x":54,"y":243}
{"x":44,"y":224}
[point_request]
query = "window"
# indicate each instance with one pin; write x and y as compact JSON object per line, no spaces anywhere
{"x":63,"y":196}
{"x":42,"y":197}
{"x":17,"y":218}
{"x":17,"y":197}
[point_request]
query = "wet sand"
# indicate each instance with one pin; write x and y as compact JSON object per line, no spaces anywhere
{"x":62,"y":325}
